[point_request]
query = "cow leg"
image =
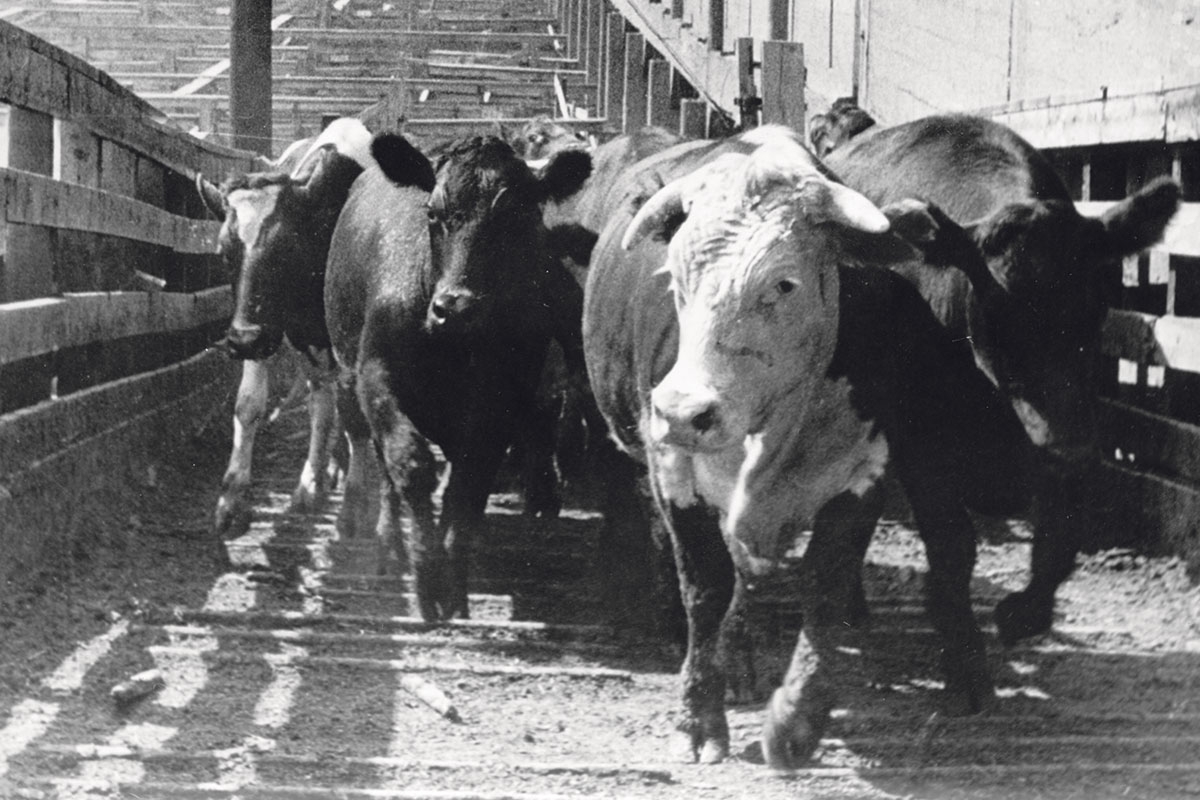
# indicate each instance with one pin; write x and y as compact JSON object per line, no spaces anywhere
{"x":232,"y":514}
{"x":355,"y":514}
{"x":1061,"y":517}
{"x":322,"y":403}
{"x":949,"y":539}
{"x":463,"y":504}
{"x":824,"y":659}
{"x":410,"y":479}
{"x":706,"y":579}
{"x":539,"y":475}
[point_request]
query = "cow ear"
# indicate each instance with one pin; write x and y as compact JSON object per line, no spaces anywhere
{"x":213,"y":199}
{"x":1140,"y":220}
{"x":941,"y":241}
{"x":403,"y":164}
{"x":565,"y":174}
{"x":571,"y":241}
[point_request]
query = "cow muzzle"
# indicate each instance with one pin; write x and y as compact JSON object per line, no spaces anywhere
{"x":691,"y":419}
{"x":252,"y":342}
{"x":448,"y":308}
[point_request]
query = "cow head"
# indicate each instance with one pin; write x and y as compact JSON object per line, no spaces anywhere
{"x":485,"y":226}
{"x":843,"y":121}
{"x":274,"y":239}
{"x":542,"y":137}
{"x":753,"y":263}
{"x":1036,"y":311}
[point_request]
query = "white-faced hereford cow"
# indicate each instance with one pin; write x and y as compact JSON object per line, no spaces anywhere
{"x":1032,"y":318}
{"x":274,"y":239}
{"x":769,"y":372}
{"x":441,"y":307}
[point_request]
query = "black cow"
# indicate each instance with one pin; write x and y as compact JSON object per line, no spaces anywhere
{"x":441,"y":307}
{"x":1033,"y":317}
{"x":769,"y":373}
{"x":842,"y":122}
{"x":274,"y":239}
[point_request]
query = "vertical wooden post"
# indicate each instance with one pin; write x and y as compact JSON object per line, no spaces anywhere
{"x":748,"y":99}
{"x":566,"y":22}
{"x":250,"y":74}
{"x":324,"y":12}
{"x":614,"y":68}
{"x":693,"y":118}
{"x":676,"y":9}
{"x":659,"y":100}
{"x":633,"y":114}
{"x":778,"y":16}
{"x":783,"y":81}
{"x":595,"y":44}
{"x":716,"y":25}
{"x":579,"y":32}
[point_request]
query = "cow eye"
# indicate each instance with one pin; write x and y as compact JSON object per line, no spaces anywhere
{"x":785,"y":286}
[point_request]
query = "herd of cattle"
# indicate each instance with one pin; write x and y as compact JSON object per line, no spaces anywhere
{"x":767,"y":333}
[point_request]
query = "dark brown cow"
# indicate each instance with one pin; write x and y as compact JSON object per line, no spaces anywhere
{"x":1033,"y":317}
{"x":441,"y":306}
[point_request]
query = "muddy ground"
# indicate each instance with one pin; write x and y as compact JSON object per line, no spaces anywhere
{"x":1108,"y":705}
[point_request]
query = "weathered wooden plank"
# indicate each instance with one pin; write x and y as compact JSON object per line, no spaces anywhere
{"x":1159,"y":513}
{"x":693,"y":118}
{"x":659,"y":94}
{"x":633,"y":111}
{"x":1150,"y":441}
{"x":783,"y":81}
{"x":38,"y":200}
{"x":33,"y":327}
{"x":1146,"y":339}
{"x":614,"y":65}
{"x":56,"y":457}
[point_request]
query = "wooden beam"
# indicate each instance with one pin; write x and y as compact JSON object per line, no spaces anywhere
{"x":1150,"y":441}
{"x":1151,"y":340}
{"x":614,"y":66}
{"x":692,"y":118}
{"x":1159,"y":512}
{"x":747,"y":95}
{"x":250,"y":74}
{"x":716,"y":25}
{"x":633,"y":111}
{"x":659,"y":94}
{"x":34,"y":327}
{"x":783,"y":82}
{"x":40,"y":201}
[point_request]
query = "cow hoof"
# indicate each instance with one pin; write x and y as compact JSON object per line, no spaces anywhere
{"x":973,"y":693}
{"x":231,"y":519}
{"x":788,"y":740}
{"x":306,"y":498}
{"x":1019,"y":616}
{"x":689,"y":749}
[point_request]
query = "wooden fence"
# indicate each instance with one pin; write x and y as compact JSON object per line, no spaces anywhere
{"x":110,"y":294}
{"x":670,"y":63}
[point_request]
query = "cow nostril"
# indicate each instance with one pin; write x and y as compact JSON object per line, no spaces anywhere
{"x":705,"y":420}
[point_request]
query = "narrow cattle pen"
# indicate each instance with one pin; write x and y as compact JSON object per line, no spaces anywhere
{"x":143,"y":657}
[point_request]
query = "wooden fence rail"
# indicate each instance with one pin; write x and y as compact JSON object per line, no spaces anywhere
{"x":110,"y":291}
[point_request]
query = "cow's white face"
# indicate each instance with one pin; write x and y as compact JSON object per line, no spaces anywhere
{"x":754,"y":272}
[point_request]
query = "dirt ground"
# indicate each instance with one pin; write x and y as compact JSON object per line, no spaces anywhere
{"x":282,"y":679}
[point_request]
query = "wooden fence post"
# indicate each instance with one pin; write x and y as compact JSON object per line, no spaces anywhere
{"x":748,"y":99}
{"x":783,"y":82}
{"x":659,"y":100}
{"x":595,"y":45}
{"x":579,"y":32}
{"x":566,"y":25}
{"x":778,"y":16}
{"x":676,"y":9}
{"x":324,"y":12}
{"x":633,"y":115}
{"x":614,"y":60}
{"x":716,"y":25}
{"x":692,"y":118}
